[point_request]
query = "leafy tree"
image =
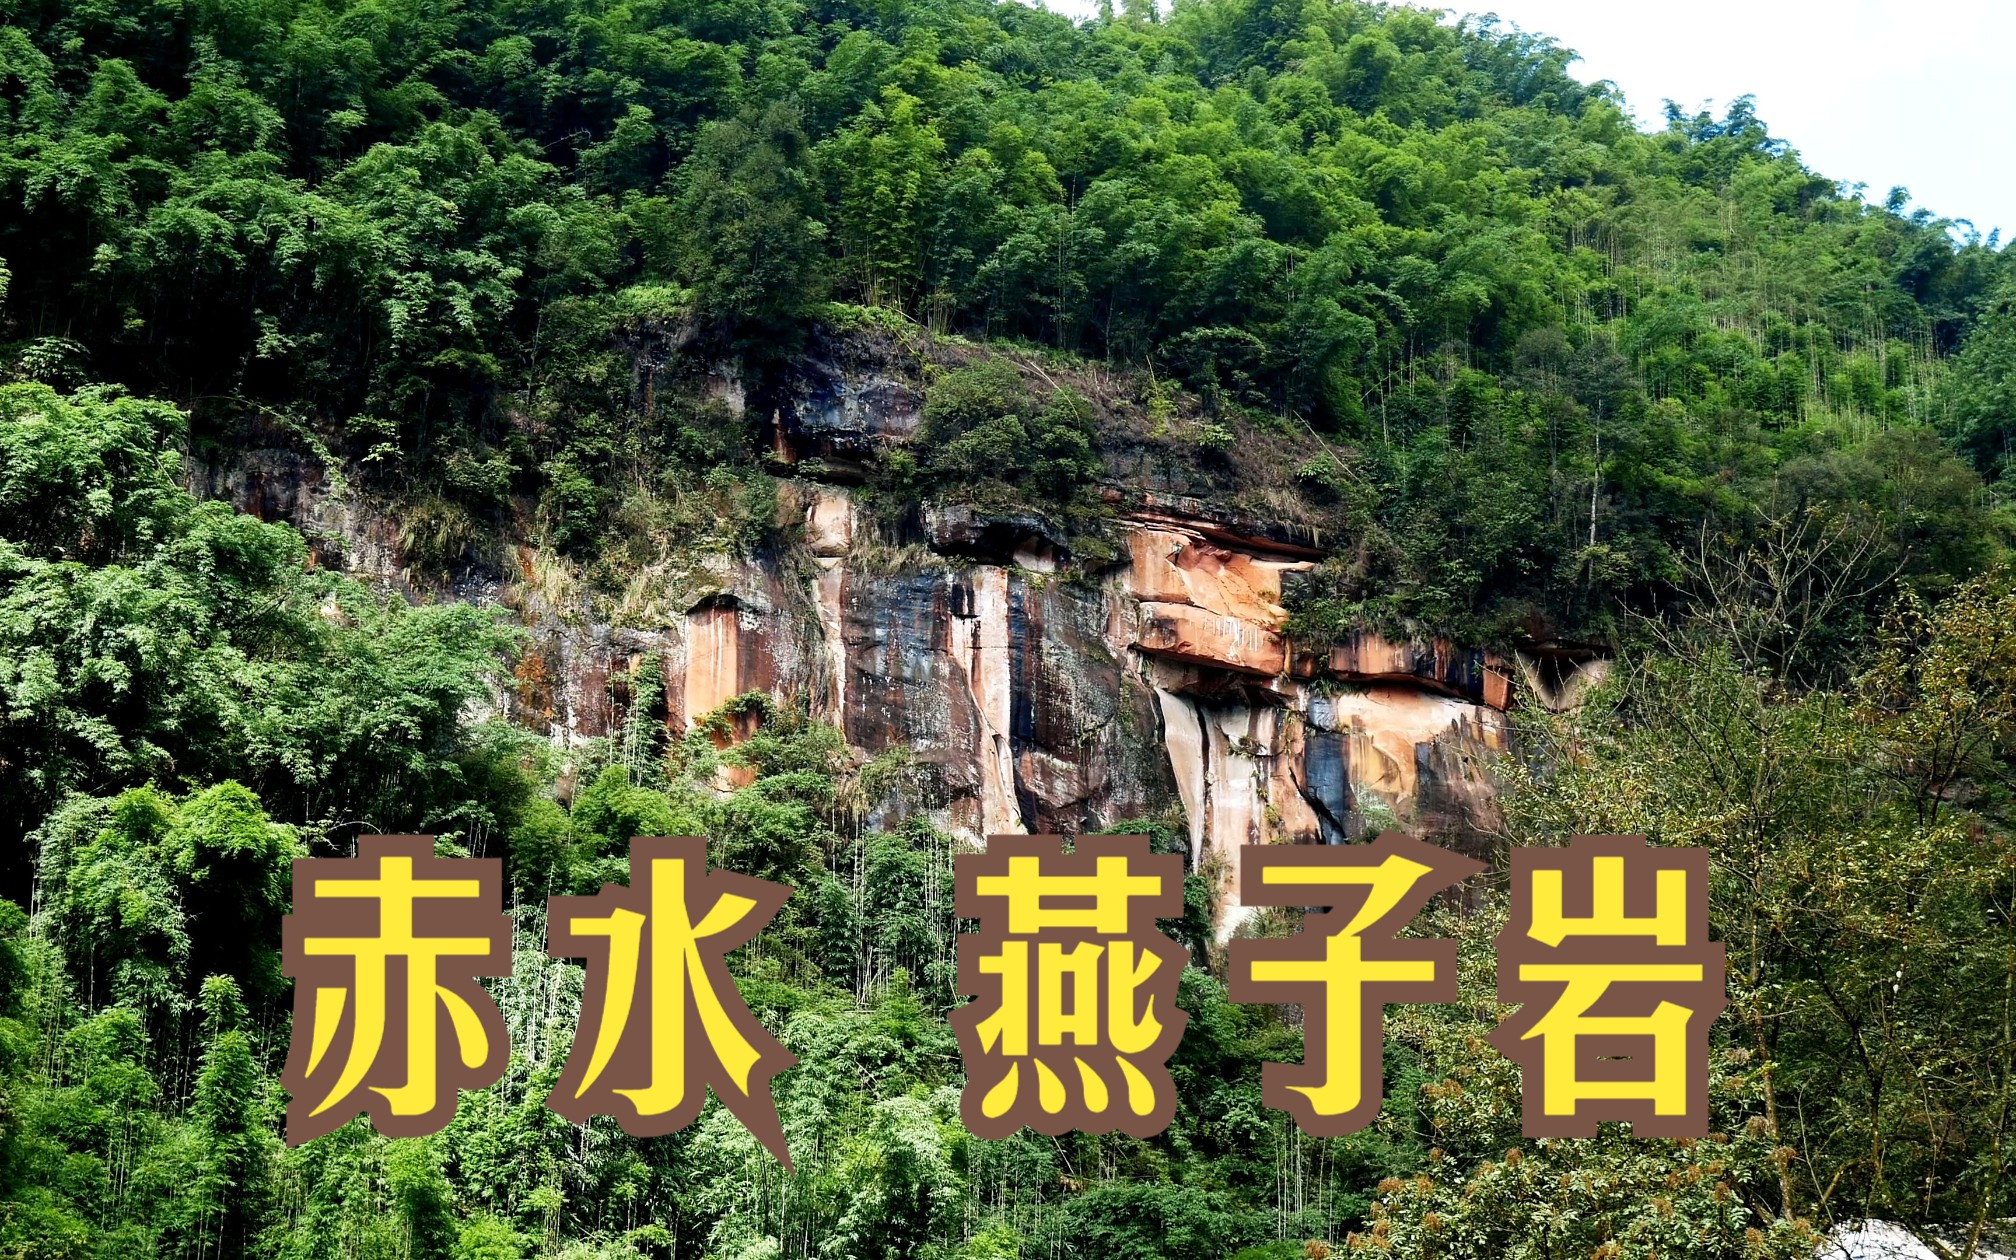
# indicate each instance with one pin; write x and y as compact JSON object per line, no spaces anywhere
{"x":1982,"y":388}
{"x":749,"y":205}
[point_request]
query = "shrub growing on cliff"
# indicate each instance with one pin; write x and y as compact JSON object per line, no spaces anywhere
{"x":989,"y":441}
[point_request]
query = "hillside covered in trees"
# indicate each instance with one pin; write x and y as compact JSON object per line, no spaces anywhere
{"x":1508,"y":370}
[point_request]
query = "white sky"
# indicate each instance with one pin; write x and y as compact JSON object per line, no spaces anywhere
{"x":1881,"y":92}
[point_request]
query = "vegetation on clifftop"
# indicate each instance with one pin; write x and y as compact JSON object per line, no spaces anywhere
{"x":1530,"y":348}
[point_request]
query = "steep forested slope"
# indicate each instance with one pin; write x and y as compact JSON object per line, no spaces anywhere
{"x":413,"y":231}
{"x":1514,"y":371}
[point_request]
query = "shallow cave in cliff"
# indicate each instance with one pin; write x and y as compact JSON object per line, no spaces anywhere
{"x":1024,"y":541}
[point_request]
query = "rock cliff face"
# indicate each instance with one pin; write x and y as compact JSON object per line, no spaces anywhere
{"x":1031,"y":704}
{"x":1027,"y":701}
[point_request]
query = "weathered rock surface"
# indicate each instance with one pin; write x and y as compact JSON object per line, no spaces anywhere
{"x":1027,"y":702}
{"x":1033,"y":704}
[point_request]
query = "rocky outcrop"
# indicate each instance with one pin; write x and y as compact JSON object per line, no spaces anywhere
{"x":1027,"y":703}
{"x":1163,"y":683}
{"x":1272,"y":744}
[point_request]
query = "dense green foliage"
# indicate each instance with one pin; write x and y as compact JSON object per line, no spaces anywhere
{"x":146,"y":637}
{"x":1401,"y":282}
{"x":1540,"y":345}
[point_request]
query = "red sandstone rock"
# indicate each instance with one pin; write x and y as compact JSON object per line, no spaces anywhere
{"x":1186,"y":633}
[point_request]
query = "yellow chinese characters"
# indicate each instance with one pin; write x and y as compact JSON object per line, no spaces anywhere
{"x":661,"y":1021}
{"x":1074,"y":1016}
{"x":438,"y":920}
{"x":1344,"y":966}
{"x":1607,"y":950}
{"x":1075,"y":1013}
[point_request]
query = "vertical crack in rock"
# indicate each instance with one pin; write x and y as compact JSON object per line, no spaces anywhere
{"x":990,"y":678}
